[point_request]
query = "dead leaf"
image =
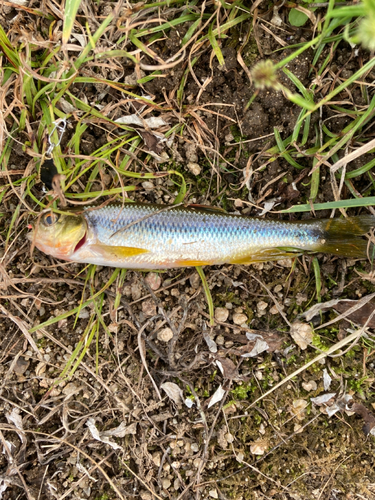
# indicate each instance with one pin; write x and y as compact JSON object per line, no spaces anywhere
{"x":259,"y":447}
{"x":329,"y":406}
{"x":218,"y":396}
{"x":317,"y":308}
{"x":360,"y":316}
{"x":368,"y":417}
{"x":260,"y":346}
{"x":362,"y":310}
{"x":227,"y":368}
{"x":298,"y":408}
{"x":326,"y":380}
{"x":324,"y":399}
{"x":161,"y":417}
{"x":173,"y":391}
{"x":100,"y":436}
{"x":273,"y":339}
{"x":122,"y":430}
{"x":152,"y":122}
{"x":153,"y":141}
{"x":211,"y":344}
{"x":302,"y":334}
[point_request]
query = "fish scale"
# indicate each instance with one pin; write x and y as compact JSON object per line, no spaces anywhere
{"x":193,"y":234}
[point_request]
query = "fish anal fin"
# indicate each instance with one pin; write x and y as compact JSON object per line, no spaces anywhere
{"x":192,"y":263}
{"x":267,"y":255}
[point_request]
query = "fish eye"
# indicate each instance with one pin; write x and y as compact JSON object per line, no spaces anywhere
{"x":50,"y":219}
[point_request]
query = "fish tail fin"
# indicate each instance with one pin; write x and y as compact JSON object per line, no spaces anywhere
{"x":343,"y":237}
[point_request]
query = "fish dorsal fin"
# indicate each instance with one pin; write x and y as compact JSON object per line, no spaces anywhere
{"x":207,"y":208}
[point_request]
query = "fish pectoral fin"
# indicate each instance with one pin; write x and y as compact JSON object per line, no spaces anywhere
{"x":267,"y":255}
{"x":118,"y":251}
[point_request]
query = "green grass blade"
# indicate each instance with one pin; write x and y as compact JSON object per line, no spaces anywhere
{"x":369,"y":201}
{"x":215,"y":46}
{"x":208,"y":294}
{"x":70,"y":12}
{"x":181,"y":195}
{"x":318,"y":278}
{"x":8,"y":49}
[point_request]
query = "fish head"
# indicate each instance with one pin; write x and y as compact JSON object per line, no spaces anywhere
{"x":59,"y":235}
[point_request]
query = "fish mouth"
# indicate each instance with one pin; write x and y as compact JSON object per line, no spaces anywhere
{"x":81,"y":242}
{"x":30,"y":235}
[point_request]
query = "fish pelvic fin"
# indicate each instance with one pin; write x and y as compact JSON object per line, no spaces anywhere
{"x":343,"y":237}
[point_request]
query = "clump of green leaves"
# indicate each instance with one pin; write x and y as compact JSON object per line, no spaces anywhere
{"x":298,"y":18}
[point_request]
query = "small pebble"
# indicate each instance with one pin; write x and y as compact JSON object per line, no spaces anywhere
{"x":145,"y":495}
{"x":149,"y":307}
{"x":213,"y":494}
{"x":220,"y":340}
{"x":176,"y":484}
{"x":165,"y":335}
{"x":239,"y":318}
{"x":194,"y":447}
{"x":136,"y":291}
{"x":165,"y":483}
{"x":229,"y":437}
{"x":156,"y":458}
{"x":70,"y":389}
{"x":153,"y":280}
{"x":275,"y":310}
{"x":285,"y":262}
{"x":194,"y":168}
{"x":195,"y":280}
{"x":311,"y":385}
{"x":261,"y":306}
{"x":221,"y":314}
{"x":21,"y":366}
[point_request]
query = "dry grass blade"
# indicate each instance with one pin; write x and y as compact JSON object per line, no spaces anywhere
{"x":353,"y":155}
{"x":24,"y":329}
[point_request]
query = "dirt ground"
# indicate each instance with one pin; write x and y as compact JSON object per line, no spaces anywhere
{"x":162,"y":404}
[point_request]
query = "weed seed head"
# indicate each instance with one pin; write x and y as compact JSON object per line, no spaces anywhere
{"x":366,"y":32}
{"x":264,"y":75}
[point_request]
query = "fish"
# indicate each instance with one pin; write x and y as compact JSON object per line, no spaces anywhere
{"x":146,"y":236}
